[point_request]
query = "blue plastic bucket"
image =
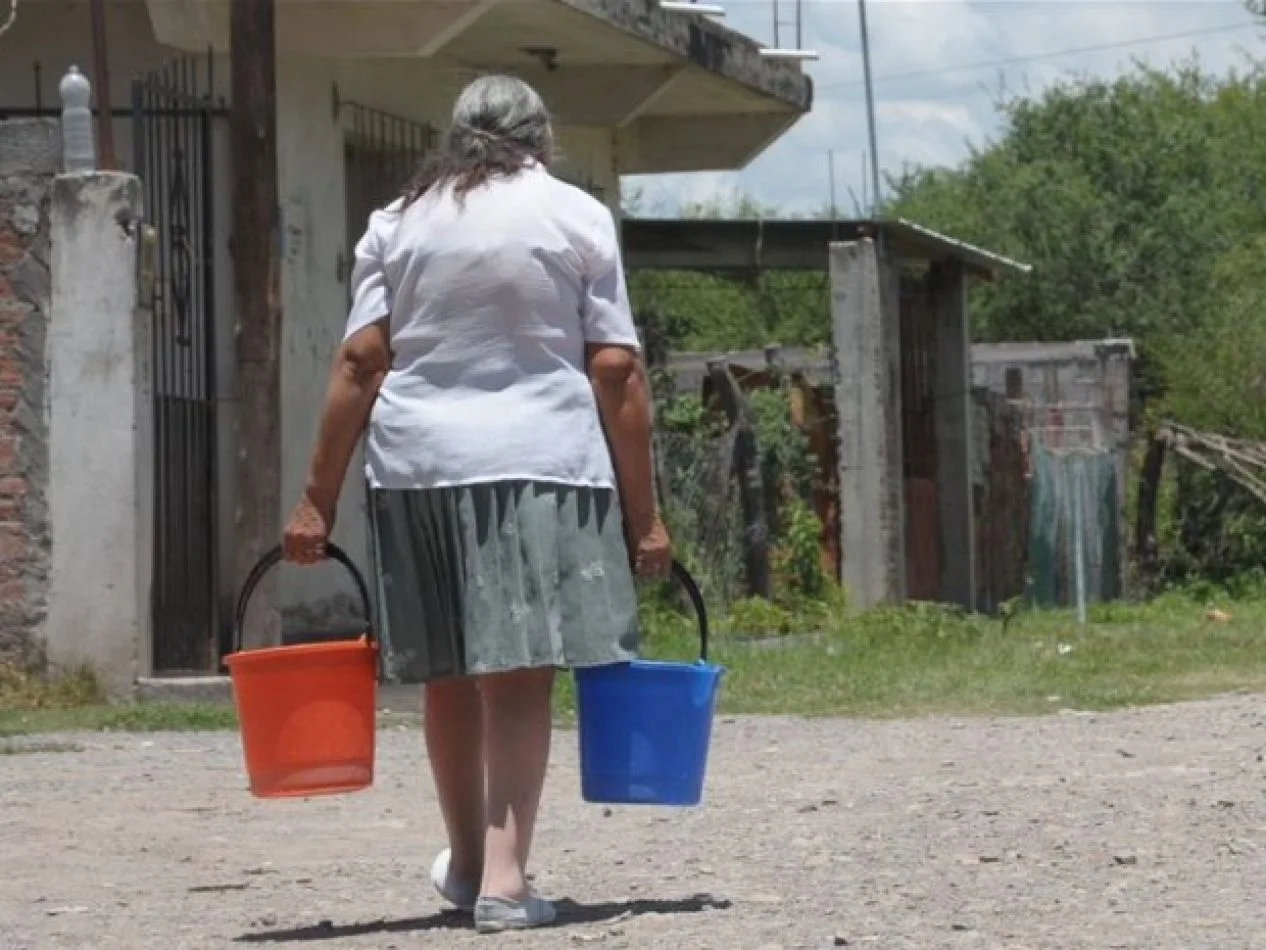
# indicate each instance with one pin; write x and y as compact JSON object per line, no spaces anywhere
{"x":645,"y":726}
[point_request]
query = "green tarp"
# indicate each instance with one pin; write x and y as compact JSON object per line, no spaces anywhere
{"x":1075,"y":533}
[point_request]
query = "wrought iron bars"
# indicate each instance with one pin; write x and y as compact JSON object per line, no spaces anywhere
{"x":173,"y":140}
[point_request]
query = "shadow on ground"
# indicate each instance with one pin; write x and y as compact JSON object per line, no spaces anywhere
{"x":569,"y":912}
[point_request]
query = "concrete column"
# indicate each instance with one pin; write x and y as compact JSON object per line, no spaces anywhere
{"x":866,"y":330}
{"x":954,"y":436}
{"x":101,"y":435}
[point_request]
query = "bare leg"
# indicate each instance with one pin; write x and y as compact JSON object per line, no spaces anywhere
{"x":454,"y":742}
{"x":517,"y":727}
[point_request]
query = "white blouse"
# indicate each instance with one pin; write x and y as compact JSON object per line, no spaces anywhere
{"x":491,"y":300}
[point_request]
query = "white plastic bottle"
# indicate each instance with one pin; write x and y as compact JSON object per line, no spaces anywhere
{"x":79,"y":148}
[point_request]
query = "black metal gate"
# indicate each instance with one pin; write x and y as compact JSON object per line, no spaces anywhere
{"x":381,"y":153}
{"x":173,"y":114}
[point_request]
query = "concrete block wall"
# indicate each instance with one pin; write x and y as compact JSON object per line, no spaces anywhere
{"x":1083,"y":385}
{"x":29,"y":158}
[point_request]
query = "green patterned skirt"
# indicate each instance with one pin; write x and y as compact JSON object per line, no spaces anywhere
{"x":501,"y":576}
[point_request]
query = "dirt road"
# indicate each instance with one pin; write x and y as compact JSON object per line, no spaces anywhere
{"x":1142,"y":829}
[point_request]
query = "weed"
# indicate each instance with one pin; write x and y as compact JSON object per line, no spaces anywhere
{"x":37,"y":748}
{"x":125,"y":717}
{"x":22,"y":687}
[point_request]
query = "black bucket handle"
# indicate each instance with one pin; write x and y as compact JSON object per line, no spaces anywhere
{"x":682,"y":577}
{"x":274,"y":557}
{"x":271,"y":560}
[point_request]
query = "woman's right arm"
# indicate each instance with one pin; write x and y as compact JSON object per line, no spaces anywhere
{"x":624,"y":403}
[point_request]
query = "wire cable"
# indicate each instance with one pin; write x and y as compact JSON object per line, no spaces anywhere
{"x":1035,"y":57}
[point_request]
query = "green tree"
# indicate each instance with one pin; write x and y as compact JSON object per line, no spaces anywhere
{"x":1141,"y":203}
{"x":1122,"y":194}
{"x":693,"y":311}
{"x":1216,"y":373}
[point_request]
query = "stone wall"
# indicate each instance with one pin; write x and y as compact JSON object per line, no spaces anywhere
{"x":29,"y":158}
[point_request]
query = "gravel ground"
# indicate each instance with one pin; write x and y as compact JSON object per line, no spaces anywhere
{"x":1140,"y":829}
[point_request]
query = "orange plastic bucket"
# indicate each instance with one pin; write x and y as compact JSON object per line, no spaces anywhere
{"x":306,"y":711}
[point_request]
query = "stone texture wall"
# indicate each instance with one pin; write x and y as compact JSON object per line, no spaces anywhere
{"x":29,"y":157}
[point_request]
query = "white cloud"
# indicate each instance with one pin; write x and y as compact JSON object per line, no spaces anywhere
{"x":939,"y":66}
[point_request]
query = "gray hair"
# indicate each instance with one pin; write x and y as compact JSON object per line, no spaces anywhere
{"x":499,"y":124}
{"x":500,"y":109}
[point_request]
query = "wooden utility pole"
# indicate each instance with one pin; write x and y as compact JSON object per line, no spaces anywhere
{"x":106,"y":160}
{"x":870,"y":110}
{"x":256,"y":291}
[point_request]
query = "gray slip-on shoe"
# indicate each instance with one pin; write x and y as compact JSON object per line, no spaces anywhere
{"x":497,"y":914}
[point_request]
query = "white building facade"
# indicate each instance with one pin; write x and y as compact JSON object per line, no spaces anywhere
{"x":362,"y":85}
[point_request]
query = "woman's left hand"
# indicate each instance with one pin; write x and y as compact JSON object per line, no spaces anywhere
{"x":307,"y":533}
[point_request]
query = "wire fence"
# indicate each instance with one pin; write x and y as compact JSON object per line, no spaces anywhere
{"x":1046,"y":479}
{"x":689,"y":319}
{"x":745,"y":458}
{"x":702,"y":510}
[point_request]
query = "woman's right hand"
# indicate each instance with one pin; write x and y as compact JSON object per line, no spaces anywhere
{"x":307,"y":533}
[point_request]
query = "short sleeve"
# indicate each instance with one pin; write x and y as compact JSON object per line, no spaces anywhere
{"x":606,"y":316}
{"x":371,"y":293}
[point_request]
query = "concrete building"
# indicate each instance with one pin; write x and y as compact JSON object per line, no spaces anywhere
{"x":1076,"y":399}
{"x":903,"y":468}
{"x":1073,"y":394}
{"x":361,"y":86}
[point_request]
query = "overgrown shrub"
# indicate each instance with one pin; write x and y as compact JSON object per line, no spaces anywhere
{"x":704,"y":515}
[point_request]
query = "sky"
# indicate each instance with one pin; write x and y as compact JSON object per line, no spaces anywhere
{"x":939,"y":67}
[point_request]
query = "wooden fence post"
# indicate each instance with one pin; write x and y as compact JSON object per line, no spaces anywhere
{"x":747,"y":469}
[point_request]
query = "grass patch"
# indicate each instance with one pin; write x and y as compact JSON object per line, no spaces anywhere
{"x":127,"y":717}
{"x":143,"y":717}
{"x":923,"y":659}
{"x":36,"y":748}
{"x":915,"y":660}
{"x":71,"y":700}
{"x":24,"y":688}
